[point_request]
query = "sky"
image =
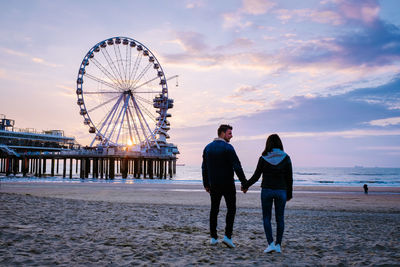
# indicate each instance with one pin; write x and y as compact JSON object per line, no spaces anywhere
{"x":323,"y":74}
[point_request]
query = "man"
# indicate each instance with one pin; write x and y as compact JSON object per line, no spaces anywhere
{"x":219,"y":164}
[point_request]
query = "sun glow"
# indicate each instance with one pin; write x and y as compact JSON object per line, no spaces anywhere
{"x":129,"y":142}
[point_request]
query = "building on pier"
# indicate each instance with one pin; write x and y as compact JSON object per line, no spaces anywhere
{"x":14,"y":141}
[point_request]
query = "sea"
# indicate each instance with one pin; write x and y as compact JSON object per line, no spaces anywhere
{"x":302,"y":176}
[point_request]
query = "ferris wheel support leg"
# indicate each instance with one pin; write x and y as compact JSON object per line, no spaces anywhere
{"x":123,"y":116}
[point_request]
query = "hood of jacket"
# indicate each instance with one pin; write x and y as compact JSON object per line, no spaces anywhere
{"x":275,"y":156}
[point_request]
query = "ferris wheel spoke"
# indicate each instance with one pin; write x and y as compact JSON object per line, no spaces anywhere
{"x":142,"y":73}
{"x":112,"y":132}
{"x":109,"y":75}
{"x":145,"y":110}
{"x":100,"y":92}
{"x":119,"y":62}
{"x":103,"y":121}
{"x":139,"y":117}
{"x":134,"y":123}
{"x":144,"y":100}
{"x":135,"y":69}
{"x":112,"y":66}
{"x":123,"y":116}
{"x":129,"y":125}
{"x":102,"y":104}
{"x":96,"y":79}
{"x":147,"y":125}
{"x":109,"y":120}
{"x":128,"y":63}
{"x":149,"y":81}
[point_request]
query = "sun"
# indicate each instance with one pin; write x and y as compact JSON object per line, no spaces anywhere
{"x":129,"y":143}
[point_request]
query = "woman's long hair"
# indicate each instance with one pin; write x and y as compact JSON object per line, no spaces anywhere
{"x":273,"y":141}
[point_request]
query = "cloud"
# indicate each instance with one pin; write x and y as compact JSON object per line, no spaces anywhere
{"x":191,"y":42}
{"x":256,"y":7}
{"x":337,"y":12}
{"x":380,"y":148}
{"x":385,"y":122}
{"x":366,"y":11}
{"x":33,"y":59}
{"x":195,"y":4}
{"x":354,"y":133}
{"x":66,"y":90}
{"x":372,"y":47}
{"x":320,"y":16}
{"x":344,"y":113}
{"x":238,"y":18}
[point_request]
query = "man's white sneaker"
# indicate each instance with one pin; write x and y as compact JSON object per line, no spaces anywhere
{"x":278,"y":248}
{"x":227,"y":241}
{"x":271,"y":247}
{"x":213,"y":241}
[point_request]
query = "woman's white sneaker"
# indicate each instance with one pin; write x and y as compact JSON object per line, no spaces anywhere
{"x":270,"y":248}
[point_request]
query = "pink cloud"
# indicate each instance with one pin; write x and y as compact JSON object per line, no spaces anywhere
{"x":365,"y":11}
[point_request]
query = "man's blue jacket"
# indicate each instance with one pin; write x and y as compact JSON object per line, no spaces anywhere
{"x":219,"y":163}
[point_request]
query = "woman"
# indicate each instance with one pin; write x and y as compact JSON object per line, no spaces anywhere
{"x":277,"y":184}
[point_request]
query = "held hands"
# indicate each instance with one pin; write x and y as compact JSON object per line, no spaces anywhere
{"x":244,"y":190}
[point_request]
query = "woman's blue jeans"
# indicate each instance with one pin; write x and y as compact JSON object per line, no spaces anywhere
{"x":278,"y":197}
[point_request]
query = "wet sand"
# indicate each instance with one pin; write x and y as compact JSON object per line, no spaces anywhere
{"x":93,"y":224}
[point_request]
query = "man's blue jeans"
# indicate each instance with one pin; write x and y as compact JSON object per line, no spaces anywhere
{"x":278,"y":197}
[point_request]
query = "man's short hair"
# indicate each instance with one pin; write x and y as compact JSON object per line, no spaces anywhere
{"x":224,"y":128}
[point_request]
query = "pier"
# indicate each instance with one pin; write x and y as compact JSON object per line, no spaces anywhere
{"x":89,"y":165}
{"x":27,"y":152}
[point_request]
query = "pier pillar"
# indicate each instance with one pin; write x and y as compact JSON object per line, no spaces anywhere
{"x":174,"y":166}
{"x":144,"y":168}
{"x":81,"y":174}
{"x":70,"y":168}
{"x":52,"y":168}
{"x":112,"y":168}
{"x":64,"y":167}
{"x":140,"y":171}
{"x":106,"y":165}
{"x":161,"y":169}
{"x":35,"y":168}
{"x":44,"y":165}
{"x":8,"y":167}
{"x":150,"y":168}
{"x":15,"y":166}
{"x":170,"y":168}
{"x":25,"y":166}
{"x":87,"y":167}
{"x":135,"y":167}
{"x":95,"y":173}
{"x":101,"y":168}
{"x":58,"y":163}
{"x":40,"y":167}
{"x":31,"y":166}
{"x":124,"y":168}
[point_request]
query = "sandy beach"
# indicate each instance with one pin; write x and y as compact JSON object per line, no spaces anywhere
{"x":97,"y":224}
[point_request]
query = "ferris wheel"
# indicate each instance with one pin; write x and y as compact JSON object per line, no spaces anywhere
{"x":123,"y":94}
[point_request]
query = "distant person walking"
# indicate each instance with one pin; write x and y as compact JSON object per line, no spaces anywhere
{"x":219,"y":164}
{"x":365,"y":189}
{"x":277,"y":183}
